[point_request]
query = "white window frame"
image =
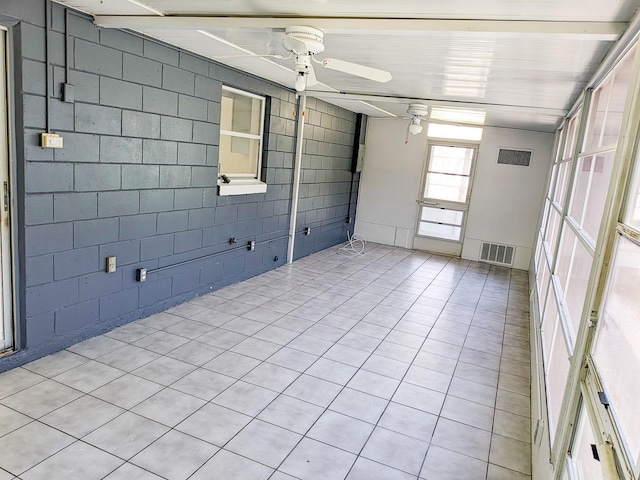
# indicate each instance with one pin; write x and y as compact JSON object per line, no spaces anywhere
{"x":242,"y":184}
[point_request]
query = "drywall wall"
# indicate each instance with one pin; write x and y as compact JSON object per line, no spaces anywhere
{"x":389,"y":183}
{"x":505,"y":200}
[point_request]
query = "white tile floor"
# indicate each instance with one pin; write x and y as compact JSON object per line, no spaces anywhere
{"x":391,"y":365}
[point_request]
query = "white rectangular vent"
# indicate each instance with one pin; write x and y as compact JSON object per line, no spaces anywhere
{"x":496,"y":253}
{"x":521,"y":158}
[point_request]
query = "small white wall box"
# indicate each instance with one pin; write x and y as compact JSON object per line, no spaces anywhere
{"x":50,"y":140}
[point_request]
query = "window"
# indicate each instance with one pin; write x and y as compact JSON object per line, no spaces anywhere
{"x":241,"y":129}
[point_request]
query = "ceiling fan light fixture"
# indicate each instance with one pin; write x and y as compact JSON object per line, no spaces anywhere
{"x":415,"y":128}
{"x":300,"y":82}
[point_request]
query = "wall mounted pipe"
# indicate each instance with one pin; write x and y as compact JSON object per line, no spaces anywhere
{"x":302,"y":104}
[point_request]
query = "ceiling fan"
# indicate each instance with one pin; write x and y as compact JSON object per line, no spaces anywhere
{"x":306,"y":42}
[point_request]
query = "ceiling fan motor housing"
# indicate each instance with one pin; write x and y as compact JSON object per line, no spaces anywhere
{"x":418,"y":110}
{"x":311,"y":38}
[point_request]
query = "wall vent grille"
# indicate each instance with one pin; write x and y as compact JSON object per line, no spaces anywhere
{"x":521,"y":158}
{"x":496,"y":253}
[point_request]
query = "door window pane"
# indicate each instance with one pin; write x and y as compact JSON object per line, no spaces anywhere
{"x":617,"y":346}
{"x":446,"y":187}
{"x":441,"y":215}
{"x":453,"y":160}
{"x":448,"y":174}
{"x":446,"y":232}
{"x":584,"y":466}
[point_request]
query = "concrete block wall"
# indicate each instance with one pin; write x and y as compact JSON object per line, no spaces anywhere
{"x":137,"y":178}
{"x":328,"y":189}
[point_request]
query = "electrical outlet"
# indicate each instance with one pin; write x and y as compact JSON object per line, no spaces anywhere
{"x":111,"y":264}
{"x":251,"y":246}
{"x":349,"y":220}
{"x":307,"y":231}
{"x":233,"y":240}
{"x":141,"y":274}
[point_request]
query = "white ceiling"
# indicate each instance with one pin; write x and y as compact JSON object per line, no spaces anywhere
{"x":521,"y":63}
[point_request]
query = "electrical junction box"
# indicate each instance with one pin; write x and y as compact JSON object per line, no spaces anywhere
{"x":51,"y":140}
{"x":360,"y":159}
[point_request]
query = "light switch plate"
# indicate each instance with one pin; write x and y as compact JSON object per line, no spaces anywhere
{"x":51,"y":140}
{"x":111,"y":264}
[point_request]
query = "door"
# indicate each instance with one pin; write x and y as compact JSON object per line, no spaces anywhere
{"x":444,"y":198}
{"x":6,"y":301}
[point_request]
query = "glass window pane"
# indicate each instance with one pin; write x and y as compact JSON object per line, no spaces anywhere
{"x":549,"y":324}
{"x":580,"y":188}
{"x":632,"y":214}
{"x":584,"y":466}
{"x":617,"y":99}
{"x":545,"y":216}
{"x":600,"y":176}
{"x":596,"y":118}
{"x":446,"y":232}
{"x":542,"y":281}
{"x":569,"y":145}
{"x":553,"y":229}
{"x":552,"y":180}
{"x":439,"y":130}
{"x":617,"y":344}
{"x":240,"y":113}
{"x":455,"y":160}
{"x":573,"y":270}
{"x":441,"y":215}
{"x":557,"y":375}
{"x":446,"y":187}
{"x":564,"y":171}
{"x":238,"y":155}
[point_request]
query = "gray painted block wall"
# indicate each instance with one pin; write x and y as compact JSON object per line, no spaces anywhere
{"x":137,"y":179}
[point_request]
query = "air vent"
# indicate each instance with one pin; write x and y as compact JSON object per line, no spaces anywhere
{"x":521,"y":158}
{"x":496,"y":253}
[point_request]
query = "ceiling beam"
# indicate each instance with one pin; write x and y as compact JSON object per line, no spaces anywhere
{"x":555,"y":112}
{"x":608,"y":31}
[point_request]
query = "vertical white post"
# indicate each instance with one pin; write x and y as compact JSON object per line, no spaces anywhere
{"x":302,"y":103}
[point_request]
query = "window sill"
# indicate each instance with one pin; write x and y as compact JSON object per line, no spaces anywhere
{"x":241,"y":187}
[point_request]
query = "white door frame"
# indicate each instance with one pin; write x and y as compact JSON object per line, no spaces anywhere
{"x":433,"y":244}
{"x":7,"y":324}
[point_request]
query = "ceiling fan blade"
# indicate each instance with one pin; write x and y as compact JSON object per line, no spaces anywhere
{"x":363,"y":71}
{"x":311,"y":77}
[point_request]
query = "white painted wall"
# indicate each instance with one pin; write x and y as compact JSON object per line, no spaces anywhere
{"x":389,"y":183}
{"x":505,"y":200}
